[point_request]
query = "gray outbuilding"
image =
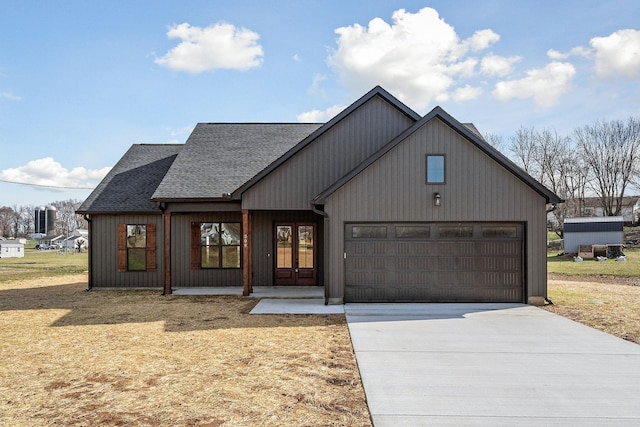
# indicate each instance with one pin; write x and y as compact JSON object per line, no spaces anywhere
{"x":589,"y":231}
{"x":378,"y":204}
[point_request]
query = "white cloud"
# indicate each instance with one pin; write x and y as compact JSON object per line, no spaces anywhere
{"x":466,"y":93}
{"x":582,"y":51}
{"x":186,"y":130}
{"x":576,"y":51}
{"x":495,"y":65}
{"x":315,"y":87}
{"x":418,"y":57}
{"x":48,"y":172}
{"x":618,"y":54}
{"x":217,"y":46}
{"x":318,"y":116}
{"x":296,"y":58}
{"x":481,"y":40}
{"x":554,"y":54}
{"x":543,"y":85}
{"x":10,"y":96}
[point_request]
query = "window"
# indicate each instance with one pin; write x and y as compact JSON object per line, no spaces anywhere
{"x":369,"y":232}
{"x":500,"y":232}
{"x":413,"y":232}
{"x":220,"y":245}
{"x":435,"y":169}
{"x":136,"y":247}
{"x":454,"y":232}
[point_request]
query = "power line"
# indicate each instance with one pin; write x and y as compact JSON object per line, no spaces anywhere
{"x":59,"y":187}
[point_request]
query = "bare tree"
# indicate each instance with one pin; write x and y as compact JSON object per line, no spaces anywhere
{"x":524,"y":150}
{"x":611,"y":150}
{"x":552,"y":159}
{"x":27,"y":219}
{"x":66,"y":218}
{"x":495,"y":140}
{"x":6,"y":215}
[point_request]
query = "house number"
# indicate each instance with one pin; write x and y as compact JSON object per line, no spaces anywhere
{"x":245,"y":240}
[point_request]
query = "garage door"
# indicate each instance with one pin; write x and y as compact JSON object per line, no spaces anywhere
{"x":434,"y":262}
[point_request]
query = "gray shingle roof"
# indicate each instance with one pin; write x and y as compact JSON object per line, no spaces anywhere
{"x":220,"y":157}
{"x":130,"y":184}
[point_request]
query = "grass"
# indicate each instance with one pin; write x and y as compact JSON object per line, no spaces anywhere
{"x":37,"y":264}
{"x":115,"y":358}
{"x":565,"y":265}
{"x":603,"y":295}
{"x":610,"y":305}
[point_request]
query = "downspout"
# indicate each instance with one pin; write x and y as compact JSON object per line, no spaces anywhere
{"x":324,"y":243}
{"x":90,"y":249}
{"x":166,"y":239}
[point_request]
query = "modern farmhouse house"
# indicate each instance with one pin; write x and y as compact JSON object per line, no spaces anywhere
{"x":378,"y":204}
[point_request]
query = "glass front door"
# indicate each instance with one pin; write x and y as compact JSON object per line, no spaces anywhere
{"x":295,"y":254}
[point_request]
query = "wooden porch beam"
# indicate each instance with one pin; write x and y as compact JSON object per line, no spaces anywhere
{"x":247,"y":280}
{"x":167,"y":252}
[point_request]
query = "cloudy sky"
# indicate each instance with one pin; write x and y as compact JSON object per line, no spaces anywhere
{"x":80,"y":82}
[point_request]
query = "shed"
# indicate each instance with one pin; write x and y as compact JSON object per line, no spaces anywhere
{"x":11,"y":249}
{"x":590,"y":231}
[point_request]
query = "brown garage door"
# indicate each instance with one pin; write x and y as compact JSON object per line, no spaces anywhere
{"x":434,"y":262}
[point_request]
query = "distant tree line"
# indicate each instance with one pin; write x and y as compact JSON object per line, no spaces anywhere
{"x":19,"y":221}
{"x":599,"y":160}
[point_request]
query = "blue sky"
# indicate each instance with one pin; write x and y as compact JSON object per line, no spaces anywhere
{"x":81,"y":81}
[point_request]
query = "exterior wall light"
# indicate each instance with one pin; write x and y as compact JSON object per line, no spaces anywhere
{"x":436,"y":199}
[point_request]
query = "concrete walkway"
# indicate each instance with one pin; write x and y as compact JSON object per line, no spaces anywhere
{"x":491,"y":365}
{"x":278,"y":292}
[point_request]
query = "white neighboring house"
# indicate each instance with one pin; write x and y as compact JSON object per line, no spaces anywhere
{"x":11,"y":249}
{"x":78,"y":238}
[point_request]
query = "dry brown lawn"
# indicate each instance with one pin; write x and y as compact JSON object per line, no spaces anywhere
{"x":611,"y":304}
{"x":136,"y":358}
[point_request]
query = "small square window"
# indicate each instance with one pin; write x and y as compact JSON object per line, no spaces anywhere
{"x":435,"y":169}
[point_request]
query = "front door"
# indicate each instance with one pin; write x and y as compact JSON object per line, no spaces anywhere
{"x":295,"y":260}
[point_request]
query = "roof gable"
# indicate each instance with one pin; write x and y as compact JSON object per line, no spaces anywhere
{"x":375,"y":92}
{"x":219,"y":157}
{"x":464,"y":130}
{"x":131,"y":182}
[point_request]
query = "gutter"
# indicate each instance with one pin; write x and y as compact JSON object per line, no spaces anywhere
{"x":90,"y":249}
{"x":325,"y":216}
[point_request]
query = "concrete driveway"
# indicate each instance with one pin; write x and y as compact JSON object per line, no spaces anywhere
{"x":491,"y":365}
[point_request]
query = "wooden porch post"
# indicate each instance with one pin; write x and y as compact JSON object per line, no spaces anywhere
{"x":247,"y":280}
{"x":167,"y":253}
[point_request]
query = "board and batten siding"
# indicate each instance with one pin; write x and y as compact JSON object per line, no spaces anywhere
{"x":293,"y":184}
{"x":104,"y":256}
{"x":477,"y":189}
{"x":182,"y":276}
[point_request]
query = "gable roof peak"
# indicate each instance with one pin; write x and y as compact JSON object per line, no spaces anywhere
{"x":465,"y":131}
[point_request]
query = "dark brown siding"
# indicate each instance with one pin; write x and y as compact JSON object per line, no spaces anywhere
{"x":182,"y":274}
{"x":476,"y":189}
{"x":327,"y":159}
{"x":104,"y":258}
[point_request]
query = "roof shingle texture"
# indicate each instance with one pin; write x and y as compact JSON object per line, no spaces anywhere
{"x":131,"y":182}
{"x":219,"y":157}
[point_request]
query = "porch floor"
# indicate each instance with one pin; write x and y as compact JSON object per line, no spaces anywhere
{"x":278,"y":292}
